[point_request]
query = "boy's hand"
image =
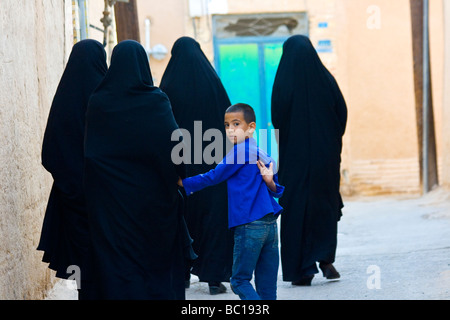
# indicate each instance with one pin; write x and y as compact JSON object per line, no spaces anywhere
{"x":180,"y":182}
{"x":267,"y":175}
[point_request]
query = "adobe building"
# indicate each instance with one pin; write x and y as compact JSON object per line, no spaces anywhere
{"x":366,"y":44}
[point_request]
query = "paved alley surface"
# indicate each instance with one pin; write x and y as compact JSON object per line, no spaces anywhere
{"x":388,"y":249}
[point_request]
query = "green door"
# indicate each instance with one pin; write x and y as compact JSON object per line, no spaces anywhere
{"x":247,"y":71}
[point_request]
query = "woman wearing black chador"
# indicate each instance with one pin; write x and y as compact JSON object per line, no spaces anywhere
{"x":310,"y":113}
{"x":198,"y":97}
{"x":65,"y":235}
{"x":136,"y":223}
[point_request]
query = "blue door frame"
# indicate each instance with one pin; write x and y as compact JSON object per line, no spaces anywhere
{"x":264,"y":120}
{"x":260,"y":42}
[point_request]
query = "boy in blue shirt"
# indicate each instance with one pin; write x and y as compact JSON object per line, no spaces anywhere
{"x":252,"y":209}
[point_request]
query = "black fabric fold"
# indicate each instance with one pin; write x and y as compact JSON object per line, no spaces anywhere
{"x":131,"y":185}
{"x":64,"y":236}
{"x":196,"y":94}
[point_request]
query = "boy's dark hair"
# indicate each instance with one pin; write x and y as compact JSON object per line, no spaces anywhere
{"x":249,"y":113}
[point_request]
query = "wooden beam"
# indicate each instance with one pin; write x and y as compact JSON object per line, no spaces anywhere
{"x":417,"y":14}
{"x":127,"y":22}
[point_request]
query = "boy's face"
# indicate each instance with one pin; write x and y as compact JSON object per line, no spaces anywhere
{"x":236,"y":128}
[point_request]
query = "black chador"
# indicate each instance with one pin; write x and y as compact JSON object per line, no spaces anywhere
{"x":64,"y":237}
{"x":134,"y":208}
{"x":310,"y":113}
{"x":198,"y":97}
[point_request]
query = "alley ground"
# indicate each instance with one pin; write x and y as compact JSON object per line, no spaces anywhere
{"x":389,"y":248}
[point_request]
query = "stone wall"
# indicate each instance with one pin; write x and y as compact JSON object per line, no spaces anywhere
{"x":33,"y":52}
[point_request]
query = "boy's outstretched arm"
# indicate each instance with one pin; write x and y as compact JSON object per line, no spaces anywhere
{"x":215,"y":176}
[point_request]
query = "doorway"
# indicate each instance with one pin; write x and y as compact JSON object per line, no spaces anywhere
{"x":247,"y":51}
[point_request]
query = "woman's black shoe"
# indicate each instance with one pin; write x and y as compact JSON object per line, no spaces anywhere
{"x":216,"y":288}
{"x":329,"y":271}
{"x":304,"y":281}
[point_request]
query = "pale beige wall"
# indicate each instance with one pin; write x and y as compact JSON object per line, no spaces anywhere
{"x":32,"y":57}
{"x":257,"y":6}
{"x":379,"y":92}
{"x":168,"y":21}
{"x":381,"y":149}
{"x":95,"y":12}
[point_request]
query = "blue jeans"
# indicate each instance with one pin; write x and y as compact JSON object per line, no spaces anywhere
{"x":256,"y":250}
